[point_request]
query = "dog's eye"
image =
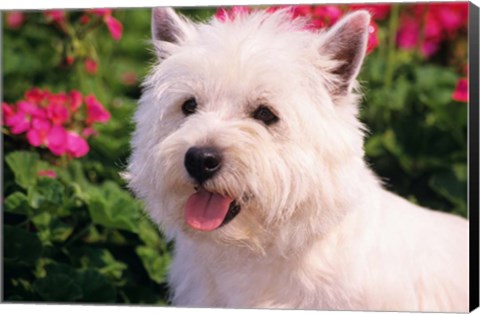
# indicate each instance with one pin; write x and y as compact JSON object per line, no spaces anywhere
{"x":189,"y":106}
{"x":264,"y":114}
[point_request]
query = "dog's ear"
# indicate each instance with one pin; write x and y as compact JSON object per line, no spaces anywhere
{"x":168,"y":29}
{"x":346,"y":42}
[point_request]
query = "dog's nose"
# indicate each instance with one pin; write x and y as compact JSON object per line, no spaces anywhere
{"x":202,"y":162}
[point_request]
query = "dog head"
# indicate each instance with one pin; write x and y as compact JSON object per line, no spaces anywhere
{"x":245,"y":127}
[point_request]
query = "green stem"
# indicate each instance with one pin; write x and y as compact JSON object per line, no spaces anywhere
{"x":392,"y":31}
{"x":84,"y":31}
{"x":79,"y":234}
{"x":24,"y":223}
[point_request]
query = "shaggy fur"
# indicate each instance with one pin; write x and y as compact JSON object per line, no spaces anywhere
{"x":316,"y":229}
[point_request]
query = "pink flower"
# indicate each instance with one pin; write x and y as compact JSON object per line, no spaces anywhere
{"x":408,"y":33}
{"x":57,"y":16}
{"x":433,"y":23}
{"x":301,"y":10}
{"x":95,"y":110}
{"x":84,"y":19}
{"x":36,"y":96}
{"x":75,"y":100}
{"x":7,"y":111}
{"x":373,"y":41}
{"x":47,"y":173}
{"x":43,"y":133}
{"x":429,"y":47}
{"x":89,"y":131}
{"x":20,"y":121}
{"x":433,"y":27}
{"x":58,"y":99}
{"x":114,"y":26}
{"x":100,"y":12}
{"x":57,"y":140}
{"x":91,"y":66}
{"x":37,"y":134}
{"x":316,"y":24}
{"x":69,"y":60}
{"x":15,"y":19}
{"x":461,"y":91}
{"x":329,"y":13}
{"x":129,"y":78}
{"x":221,"y":14}
{"x":44,"y":115}
{"x":57,"y":113}
{"x":451,"y":16}
{"x":31,"y":109}
{"x":76,"y":146}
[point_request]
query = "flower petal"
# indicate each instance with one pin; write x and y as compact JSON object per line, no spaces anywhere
{"x":76,"y":146}
{"x":47,"y":173}
{"x":95,"y":110}
{"x":34,"y":137}
{"x":15,"y":19}
{"x":75,"y":100}
{"x":91,"y":66}
{"x":461,"y":91}
{"x":18,"y":123}
{"x":114,"y":26}
{"x":57,"y":113}
{"x":57,"y":140}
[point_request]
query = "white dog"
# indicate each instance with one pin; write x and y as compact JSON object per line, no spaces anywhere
{"x":248,"y":153}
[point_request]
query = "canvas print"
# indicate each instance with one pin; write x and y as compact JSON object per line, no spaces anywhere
{"x":282,"y":157}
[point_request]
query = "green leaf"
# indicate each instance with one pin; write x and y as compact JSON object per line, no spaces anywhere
{"x":61,"y":269}
{"x":40,"y":267}
{"x":435,"y":85}
{"x":150,"y":234}
{"x":74,"y":173}
{"x":96,"y":287}
{"x":449,"y":186}
{"x":47,"y":193}
{"x":58,"y":288}
{"x":17,"y":203}
{"x":101,"y":260}
{"x":51,"y":229}
{"x":24,"y":167}
{"x":19,"y":290}
{"x":390,"y":142}
{"x":21,"y":247}
{"x":461,"y":171}
{"x":155,"y":263}
{"x":374,"y":146}
{"x":112,"y":207}
{"x":86,"y":285}
{"x":60,"y":231}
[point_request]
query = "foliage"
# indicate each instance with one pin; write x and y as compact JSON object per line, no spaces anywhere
{"x":73,"y":232}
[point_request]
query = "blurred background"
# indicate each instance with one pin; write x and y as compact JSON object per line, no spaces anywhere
{"x":74,"y":233}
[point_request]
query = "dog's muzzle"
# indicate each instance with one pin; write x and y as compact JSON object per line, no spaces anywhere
{"x":202,"y":162}
{"x":206,"y":210}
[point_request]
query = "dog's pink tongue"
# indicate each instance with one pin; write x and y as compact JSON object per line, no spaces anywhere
{"x":206,"y":211}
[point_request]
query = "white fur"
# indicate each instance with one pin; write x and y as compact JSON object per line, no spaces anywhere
{"x":316,"y":229}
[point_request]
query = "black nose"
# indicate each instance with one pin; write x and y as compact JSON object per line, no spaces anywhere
{"x":202,"y":162}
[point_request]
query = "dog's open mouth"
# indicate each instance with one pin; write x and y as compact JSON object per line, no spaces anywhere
{"x":206,"y":211}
